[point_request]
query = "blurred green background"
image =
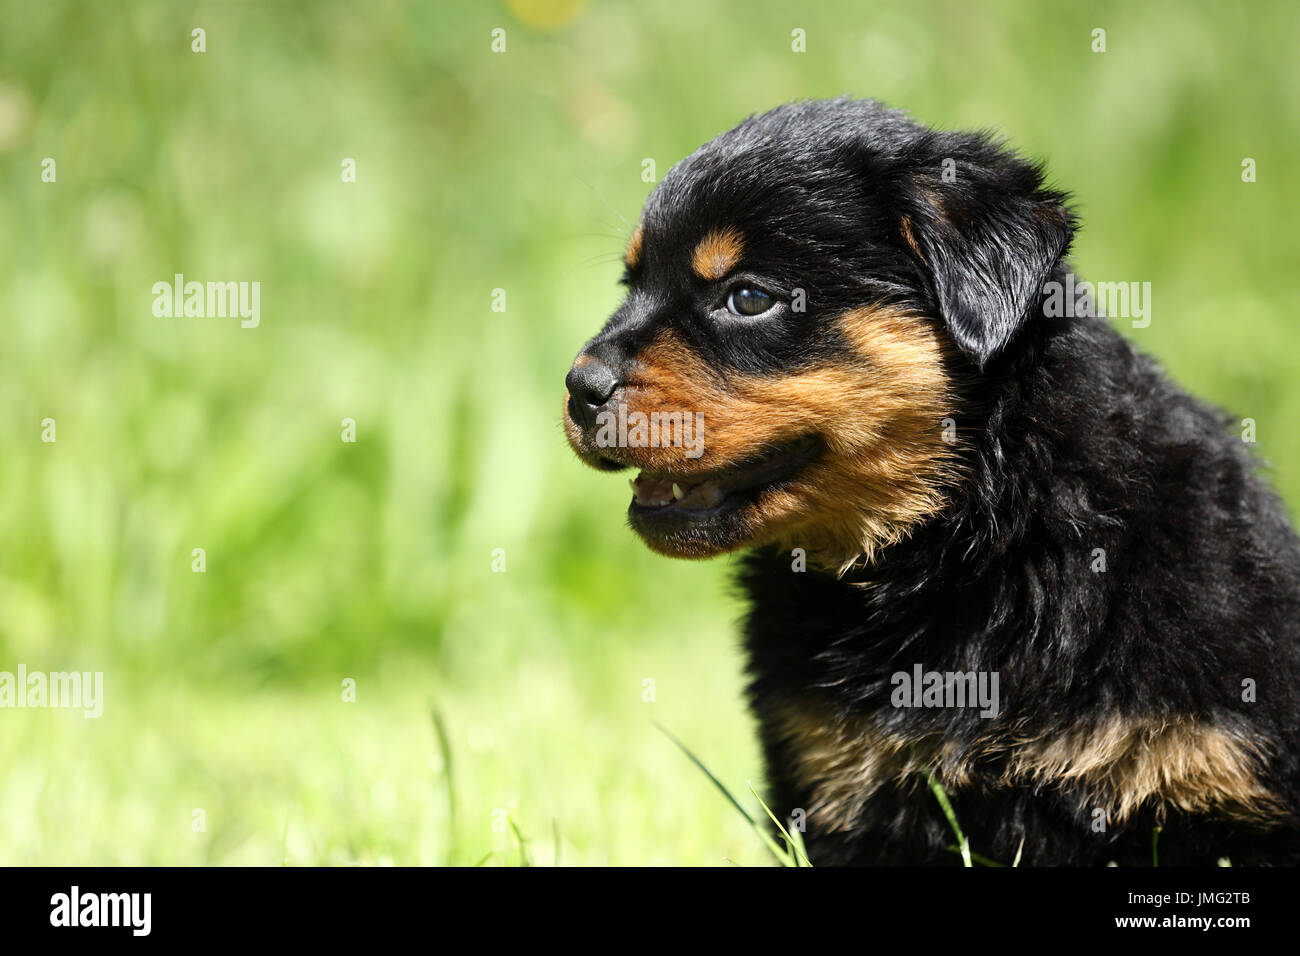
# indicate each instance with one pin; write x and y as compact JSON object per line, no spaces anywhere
{"x":373,"y":561}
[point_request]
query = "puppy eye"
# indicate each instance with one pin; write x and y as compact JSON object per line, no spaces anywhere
{"x":748,"y":300}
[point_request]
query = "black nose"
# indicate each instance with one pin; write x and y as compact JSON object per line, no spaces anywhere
{"x":590,"y":383}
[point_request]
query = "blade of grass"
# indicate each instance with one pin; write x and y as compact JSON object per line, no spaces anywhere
{"x":781,"y":856}
{"x":707,"y":772}
{"x":523,"y":847}
{"x":952,"y":818}
{"x":799,"y":858}
{"x":797,"y":835}
{"x":444,"y":748}
{"x":977,"y":858}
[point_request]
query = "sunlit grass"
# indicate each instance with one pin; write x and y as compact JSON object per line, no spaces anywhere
{"x":300,"y":777}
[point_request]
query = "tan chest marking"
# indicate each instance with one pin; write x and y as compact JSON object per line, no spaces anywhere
{"x":1121,"y":765}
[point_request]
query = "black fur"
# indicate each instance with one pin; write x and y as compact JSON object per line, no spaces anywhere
{"x":1087,"y":446}
{"x":1075,"y":442}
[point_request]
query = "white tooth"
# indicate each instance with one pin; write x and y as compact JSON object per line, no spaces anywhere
{"x":632,"y":484}
{"x":677,"y":491}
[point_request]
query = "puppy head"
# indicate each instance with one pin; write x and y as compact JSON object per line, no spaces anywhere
{"x":807,"y":295}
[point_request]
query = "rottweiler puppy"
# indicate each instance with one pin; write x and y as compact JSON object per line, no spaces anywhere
{"x":991,"y":550}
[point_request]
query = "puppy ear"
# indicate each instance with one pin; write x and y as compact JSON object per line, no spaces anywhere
{"x":988,"y":237}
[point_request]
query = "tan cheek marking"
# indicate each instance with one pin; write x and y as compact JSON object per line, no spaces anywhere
{"x":632,"y":257}
{"x":717,"y":253}
{"x":886,"y":466}
{"x":1120,"y":765}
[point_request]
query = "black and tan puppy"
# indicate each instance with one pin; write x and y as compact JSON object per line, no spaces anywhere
{"x":988,"y":547}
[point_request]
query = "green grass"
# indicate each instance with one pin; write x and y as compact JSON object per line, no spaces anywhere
{"x":792,"y":853}
{"x":372,"y":561}
{"x":298,"y":777}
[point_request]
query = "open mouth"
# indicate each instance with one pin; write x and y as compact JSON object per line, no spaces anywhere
{"x":701,"y":496}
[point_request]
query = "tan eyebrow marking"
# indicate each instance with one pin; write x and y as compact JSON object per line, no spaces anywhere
{"x":718,"y":253}
{"x":633,"y":255}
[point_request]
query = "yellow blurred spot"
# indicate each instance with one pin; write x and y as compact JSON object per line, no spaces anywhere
{"x":14,"y":110}
{"x":546,"y":14}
